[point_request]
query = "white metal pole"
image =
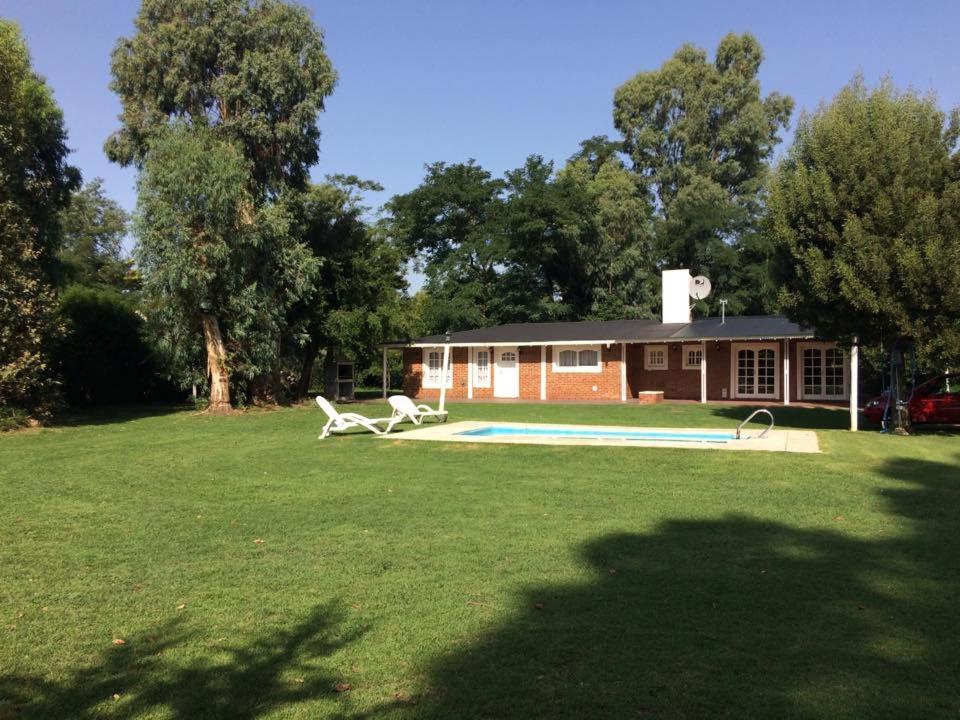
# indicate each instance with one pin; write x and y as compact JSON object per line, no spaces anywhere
{"x":443,"y":375}
{"x":384,"y":377}
{"x":543,"y":372}
{"x":854,"y":385}
{"x":470,"y":366}
{"x":703,"y":372}
{"x":623,"y":372}
{"x":786,"y":372}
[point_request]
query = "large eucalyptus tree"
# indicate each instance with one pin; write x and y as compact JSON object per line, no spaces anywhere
{"x":247,"y":79}
{"x":700,"y":135}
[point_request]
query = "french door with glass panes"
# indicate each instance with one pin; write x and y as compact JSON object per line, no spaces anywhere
{"x":823,"y":372}
{"x":754,"y":370}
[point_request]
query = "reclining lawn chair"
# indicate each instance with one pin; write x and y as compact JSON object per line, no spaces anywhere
{"x":404,"y":407}
{"x":339,"y":422}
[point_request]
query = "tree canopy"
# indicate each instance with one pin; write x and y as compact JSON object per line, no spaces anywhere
{"x":242,"y":80}
{"x":254,"y":71}
{"x":357,"y":296}
{"x":866,"y":209}
{"x":535,"y":246}
{"x":700,"y":135}
{"x":35,"y":184}
{"x":94,"y":227}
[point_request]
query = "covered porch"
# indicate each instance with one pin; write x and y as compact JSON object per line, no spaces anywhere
{"x":759,"y":371}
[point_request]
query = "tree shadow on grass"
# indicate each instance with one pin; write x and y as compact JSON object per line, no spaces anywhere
{"x":789,"y":416}
{"x":112,"y":414}
{"x":245,"y":681}
{"x":734,"y":617}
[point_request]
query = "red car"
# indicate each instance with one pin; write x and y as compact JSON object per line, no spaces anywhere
{"x":935,"y":401}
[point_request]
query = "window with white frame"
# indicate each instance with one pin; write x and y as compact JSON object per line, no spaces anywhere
{"x":432,"y":367}
{"x":754,"y":370}
{"x":655,"y":357}
{"x":576,"y":358}
{"x":692,"y":357}
{"x":481,"y":369}
{"x":823,"y":372}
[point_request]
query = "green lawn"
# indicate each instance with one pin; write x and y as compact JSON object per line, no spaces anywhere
{"x":254,"y":571}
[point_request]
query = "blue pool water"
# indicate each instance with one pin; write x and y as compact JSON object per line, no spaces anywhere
{"x":675,"y":435}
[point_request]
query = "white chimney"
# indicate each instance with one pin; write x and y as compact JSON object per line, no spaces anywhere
{"x":676,"y":296}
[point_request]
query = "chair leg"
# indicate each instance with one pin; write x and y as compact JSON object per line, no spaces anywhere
{"x":326,"y":430}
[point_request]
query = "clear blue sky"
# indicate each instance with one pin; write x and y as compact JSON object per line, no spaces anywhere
{"x":497,"y":80}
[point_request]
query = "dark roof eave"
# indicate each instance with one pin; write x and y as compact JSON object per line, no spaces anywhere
{"x":426,"y":342}
{"x":735,"y":328}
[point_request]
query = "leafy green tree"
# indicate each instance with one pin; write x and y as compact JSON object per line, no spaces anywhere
{"x":255,"y":71}
{"x":449,"y":223}
{"x":622,"y":267}
{"x":35,"y":184}
{"x":866,"y":208}
{"x":356,"y":300}
{"x":211,"y":273}
{"x":536,"y":246}
{"x":94,"y":227}
{"x":596,"y":151}
{"x":700,"y":135}
{"x":102,"y":355}
{"x":248,"y":80}
{"x":550,"y":235}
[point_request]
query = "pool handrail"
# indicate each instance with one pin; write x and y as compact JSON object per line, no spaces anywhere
{"x":751,"y":416}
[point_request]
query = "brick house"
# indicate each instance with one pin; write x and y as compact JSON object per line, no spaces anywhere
{"x":756,"y":358}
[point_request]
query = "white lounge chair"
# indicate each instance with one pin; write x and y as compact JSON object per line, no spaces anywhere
{"x":404,"y":407}
{"x":338,"y":421}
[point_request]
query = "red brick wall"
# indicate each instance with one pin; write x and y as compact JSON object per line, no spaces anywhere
{"x":413,"y":375}
{"x":718,"y":371}
{"x":580,"y":386}
{"x":529,"y":372}
{"x":560,"y":386}
{"x":679,"y":384}
{"x":675,"y":382}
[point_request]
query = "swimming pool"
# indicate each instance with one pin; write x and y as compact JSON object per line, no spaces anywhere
{"x":504,"y":431}
{"x":479,"y":432}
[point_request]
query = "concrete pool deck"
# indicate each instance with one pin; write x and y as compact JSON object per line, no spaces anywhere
{"x":796,"y":441}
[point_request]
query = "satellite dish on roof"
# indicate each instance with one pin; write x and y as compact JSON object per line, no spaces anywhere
{"x":699,"y":287}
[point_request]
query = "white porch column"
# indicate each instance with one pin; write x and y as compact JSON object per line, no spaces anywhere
{"x":384,"y":373}
{"x":623,"y":372}
{"x":444,"y":371}
{"x":854,"y":384}
{"x":786,"y":372}
{"x":470,"y":373}
{"x":543,"y":372}
{"x":703,"y":371}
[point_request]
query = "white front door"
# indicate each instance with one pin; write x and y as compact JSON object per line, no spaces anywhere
{"x":506,"y":376}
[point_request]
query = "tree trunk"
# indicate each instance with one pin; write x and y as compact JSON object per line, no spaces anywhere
{"x":306,"y":369}
{"x":216,"y":365}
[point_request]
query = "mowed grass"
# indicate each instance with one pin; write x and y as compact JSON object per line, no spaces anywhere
{"x":176,"y":565}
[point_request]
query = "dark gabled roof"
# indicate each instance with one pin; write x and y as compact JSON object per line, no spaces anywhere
{"x":743,"y":327}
